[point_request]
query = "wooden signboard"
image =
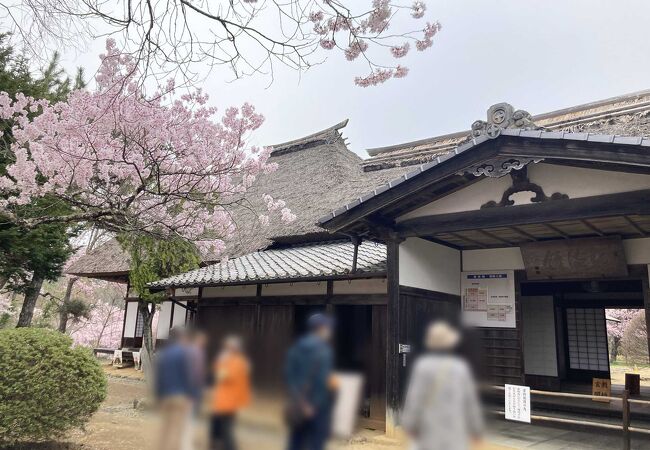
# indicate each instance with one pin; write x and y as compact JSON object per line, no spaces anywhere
{"x":575,"y":258}
{"x":601,"y":387}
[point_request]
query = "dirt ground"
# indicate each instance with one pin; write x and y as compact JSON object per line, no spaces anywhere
{"x":119,"y":426}
{"x":620,"y":368}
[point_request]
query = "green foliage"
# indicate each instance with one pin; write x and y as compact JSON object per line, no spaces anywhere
{"x":46,"y":385}
{"x":45,"y":249}
{"x":76,"y":309}
{"x":153,"y":259}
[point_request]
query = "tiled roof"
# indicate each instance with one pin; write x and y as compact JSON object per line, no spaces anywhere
{"x":473,"y":142}
{"x":294,"y":263}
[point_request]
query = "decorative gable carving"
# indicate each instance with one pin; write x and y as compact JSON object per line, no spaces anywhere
{"x":500,"y":117}
{"x":521,"y":183}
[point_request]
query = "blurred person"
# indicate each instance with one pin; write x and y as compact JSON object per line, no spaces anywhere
{"x":175,"y":390}
{"x":232,"y":393}
{"x":197,"y":350}
{"x":197,"y":346}
{"x":310,"y":383}
{"x":442,"y":409}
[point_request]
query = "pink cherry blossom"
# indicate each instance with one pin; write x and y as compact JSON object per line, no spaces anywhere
{"x":316,"y":16}
{"x":376,"y":77}
{"x":418,"y":9}
{"x":400,"y":72}
{"x":400,"y":51}
{"x":132,"y":162}
{"x":327,"y":44}
{"x":355,"y":49}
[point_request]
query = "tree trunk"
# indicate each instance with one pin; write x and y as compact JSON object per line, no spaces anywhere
{"x":31,"y":296}
{"x":3,"y":281}
{"x":616,"y":343}
{"x":147,"y":319}
{"x":63,"y":311}
{"x":146,"y":355}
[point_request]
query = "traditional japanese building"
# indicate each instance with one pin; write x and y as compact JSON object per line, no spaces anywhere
{"x":526,"y":227}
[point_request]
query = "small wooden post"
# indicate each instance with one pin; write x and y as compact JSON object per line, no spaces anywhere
{"x":626,"y":420}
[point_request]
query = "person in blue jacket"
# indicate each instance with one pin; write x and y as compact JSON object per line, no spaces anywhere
{"x":309,"y":380}
{"x":175,"y":389}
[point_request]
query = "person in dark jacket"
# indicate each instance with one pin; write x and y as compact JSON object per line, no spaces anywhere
{"x":308,"y":374}
{"x":175,"y":390}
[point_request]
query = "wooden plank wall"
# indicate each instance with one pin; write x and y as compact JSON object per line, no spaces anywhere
{"x":418,"y":308}
{"x":501,"y":358}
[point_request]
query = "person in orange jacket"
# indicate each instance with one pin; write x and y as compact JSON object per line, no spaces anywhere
{"x":232,"y":392}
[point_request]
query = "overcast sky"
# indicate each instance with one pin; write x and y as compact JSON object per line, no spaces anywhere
{"x":536,"y":55}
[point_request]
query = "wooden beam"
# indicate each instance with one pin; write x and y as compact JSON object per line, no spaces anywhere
{"x":524,"y":234}
{"x":470,"y":240}
{"x":539,"y":213}
{"x":495,"y":237}
{"x":634,"y":155}
{"x":592,"y":227}
{"x":555,"y":229}
{"x":636,"y":226}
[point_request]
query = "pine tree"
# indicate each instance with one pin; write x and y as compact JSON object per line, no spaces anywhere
{"x":28,"y":257}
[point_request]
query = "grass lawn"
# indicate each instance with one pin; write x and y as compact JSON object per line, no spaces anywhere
{"x":619,"y":368}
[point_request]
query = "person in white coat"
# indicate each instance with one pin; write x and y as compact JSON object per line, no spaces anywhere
{"x":442,"y":409}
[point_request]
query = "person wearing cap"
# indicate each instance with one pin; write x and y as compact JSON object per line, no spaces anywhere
{"x":442,"y":410}
{"x":232,"y":392}
{"x":308,"y":374}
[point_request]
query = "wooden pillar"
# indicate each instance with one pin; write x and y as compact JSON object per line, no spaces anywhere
{"x":646,"y":300}
{"x":393,"y":335}
{"x":329,"y":307}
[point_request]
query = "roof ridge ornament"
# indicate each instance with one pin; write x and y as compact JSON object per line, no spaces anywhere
{"x":500,"y":117}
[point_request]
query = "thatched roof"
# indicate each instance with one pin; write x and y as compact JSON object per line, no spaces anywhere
{"x":315,"y":174}
{"x":106,"y":262}
{"x":625,"y":115}
{"x":320,"y":260}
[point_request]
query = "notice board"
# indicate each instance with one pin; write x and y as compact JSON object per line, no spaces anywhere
{"x":488,"y":298}
{"x":517,"y":403}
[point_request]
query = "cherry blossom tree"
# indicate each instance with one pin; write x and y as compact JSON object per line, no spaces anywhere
{"x":103,"y":327}
{"x":616,"y":328}
{"x":248,"y":36}
{"x":130,"y":162}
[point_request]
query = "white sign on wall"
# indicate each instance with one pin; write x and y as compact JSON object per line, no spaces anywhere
{"x":488,"y":298}
{"x":517,"y":403}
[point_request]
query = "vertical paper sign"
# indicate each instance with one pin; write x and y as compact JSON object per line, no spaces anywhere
{"x":488,"y":298}
{"x":517,"y":401}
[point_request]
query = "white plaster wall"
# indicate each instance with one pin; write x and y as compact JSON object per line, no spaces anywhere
{"x":366,"y":286}
{"x":637,"y":251}
{"x":131,"y":317}
{"x":186,"y":292}
{"x":576,"y":182}
{"x":540,"y":357}
{"x":579,"y":182}
{"x":163,"y":320}
{"x":179,"y":315}
{"x":306,"y":288}
{"x":426,"y":265}
{"x":493,"y":259}
{"x":467,"y":199}
{"x":245,"y":290}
